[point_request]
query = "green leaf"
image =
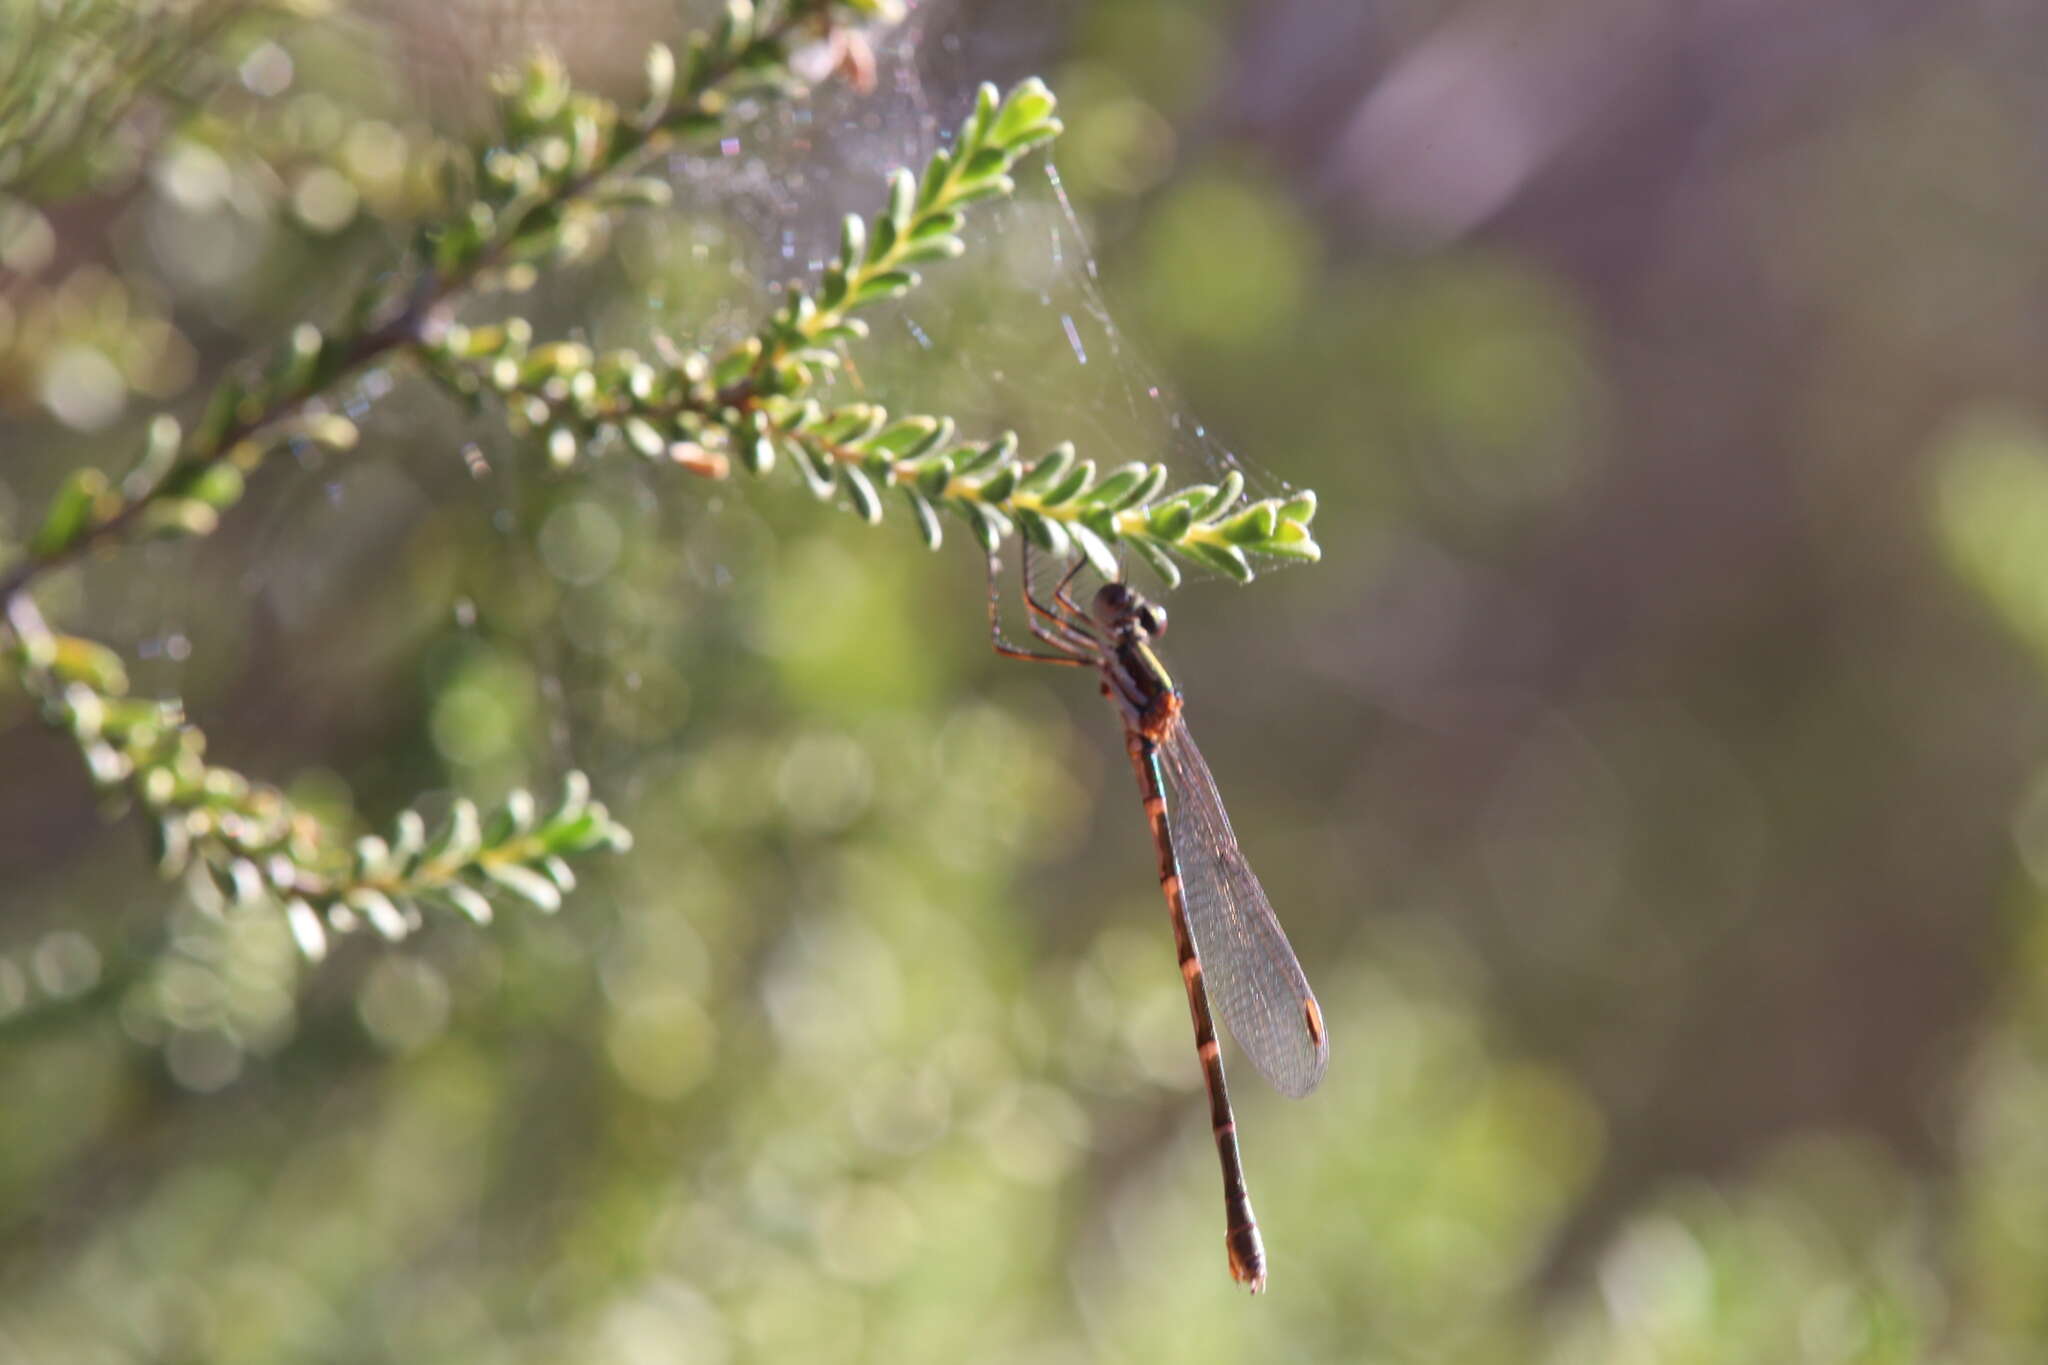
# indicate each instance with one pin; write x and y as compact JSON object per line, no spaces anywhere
{"x":297,"y":365}
{"x":409,"y":836}
{"x":1144,"y":490}
{"x":940,"y":224}
{"x":989,"y":161}
{"x":173,"y":845}
{"x":641,"y":435}
{"x":941,"y":433}
{"x":72,"y":513}
{"x":935,"y":476}
{"x":1030,"y":105}
{"x":817,"y":474}
{"x":513,"y":819}
{"x":737,"y":363}
{"x":904,"y":437}
{"x":660,"y":68}
{"x":987,"y":99}
{"x":1300,"y":547}
{"x":735,"y":27}
{"x":1115,"y":489}
{"x":886,"y":284}
{"x":575,"y":795}
{"x":853,"y":242}
{"x":1225,"y":559}
{"x":902,"y":199}
{"x":1044,"y":532}
{"x":174,"y":518}
{"x":860,"y":490}
{"x":991,"y":527}
{"x":931,"y":249}
{"x":376,"y":907}
{"x":1031,"y":137}
{"x":998,"y":486}
{"x":1068,"y":488}
{"x":1048,"y":469}
{"x":469,"y":901}
{"x":525,"y":883}
{"x":76,"y":660}
{"x":159,"y":453}
{"x":460,"y":839}
{"x":1228,"y":490}
{"x":853,"y":424}
{"x":1254,"y":524}
{"x":1095,"y":548}
{"x":994,"y":187}
{"x":1171,"y":521}
{"x":1156,"y":560}
{"x":994,"y":453}
{"x":219,"y":486}
{"x":306,"y":929}
{"x":927,"y":517}
{"x":935,"y":172}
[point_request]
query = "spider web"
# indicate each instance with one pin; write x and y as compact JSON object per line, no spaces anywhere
{"x":1020,"y":333}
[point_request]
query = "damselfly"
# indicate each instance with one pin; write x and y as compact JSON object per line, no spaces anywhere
{"x":1231,"y":947}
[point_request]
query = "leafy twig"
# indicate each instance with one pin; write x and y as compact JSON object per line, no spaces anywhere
{"x":248,"y":843}
{"x":569,"y":156}
{"x":567,"y":159}
{"x":757,"y":399}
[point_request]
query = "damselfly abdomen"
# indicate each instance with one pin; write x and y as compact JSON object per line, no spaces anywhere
{"x":1232,"y":949}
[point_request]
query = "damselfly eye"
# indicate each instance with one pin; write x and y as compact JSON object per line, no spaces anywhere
{"x":1152,"y":617}
{"x":1112,"y":603}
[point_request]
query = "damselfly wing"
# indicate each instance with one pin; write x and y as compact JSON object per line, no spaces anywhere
{"x":1253,"y":976}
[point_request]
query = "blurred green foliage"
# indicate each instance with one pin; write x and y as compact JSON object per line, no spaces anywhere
{"x":1649,"y":778}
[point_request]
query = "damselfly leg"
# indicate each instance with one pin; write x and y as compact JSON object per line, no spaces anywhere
{"x":1075,"y":649}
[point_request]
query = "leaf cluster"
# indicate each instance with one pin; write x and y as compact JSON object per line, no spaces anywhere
{"x":246,"y":843}
{"x":765,"y":401}
{"x":565,"y":161}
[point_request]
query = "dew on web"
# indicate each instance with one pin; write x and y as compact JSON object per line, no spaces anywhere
{"x":1074,"y":338}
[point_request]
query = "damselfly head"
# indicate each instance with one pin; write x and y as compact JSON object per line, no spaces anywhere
{"x":1123,"y":609}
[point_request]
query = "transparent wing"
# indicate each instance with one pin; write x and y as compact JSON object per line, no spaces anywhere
{"x":1254,"y":981}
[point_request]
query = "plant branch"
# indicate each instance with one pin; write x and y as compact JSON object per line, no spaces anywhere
{"x":572,"y":149}
{"x":758,"y":399}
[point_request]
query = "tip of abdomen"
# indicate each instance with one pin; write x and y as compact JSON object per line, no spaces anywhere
{"x":1247,"y":1256}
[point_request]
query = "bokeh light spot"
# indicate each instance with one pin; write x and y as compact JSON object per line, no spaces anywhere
{"x":66,"y":963}
{"x":580,"y":542}
{"x":203,"y":1060}
{"x":866,"y":1233}
{"x":82,"y":388}
{"x":324,"y":200}
{"x":403,"y":1003}
{"x":661,"y":1043}
{"x":1227,"y":262}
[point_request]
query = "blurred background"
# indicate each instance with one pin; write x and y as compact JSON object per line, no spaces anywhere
{"x":1650,"y":776}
